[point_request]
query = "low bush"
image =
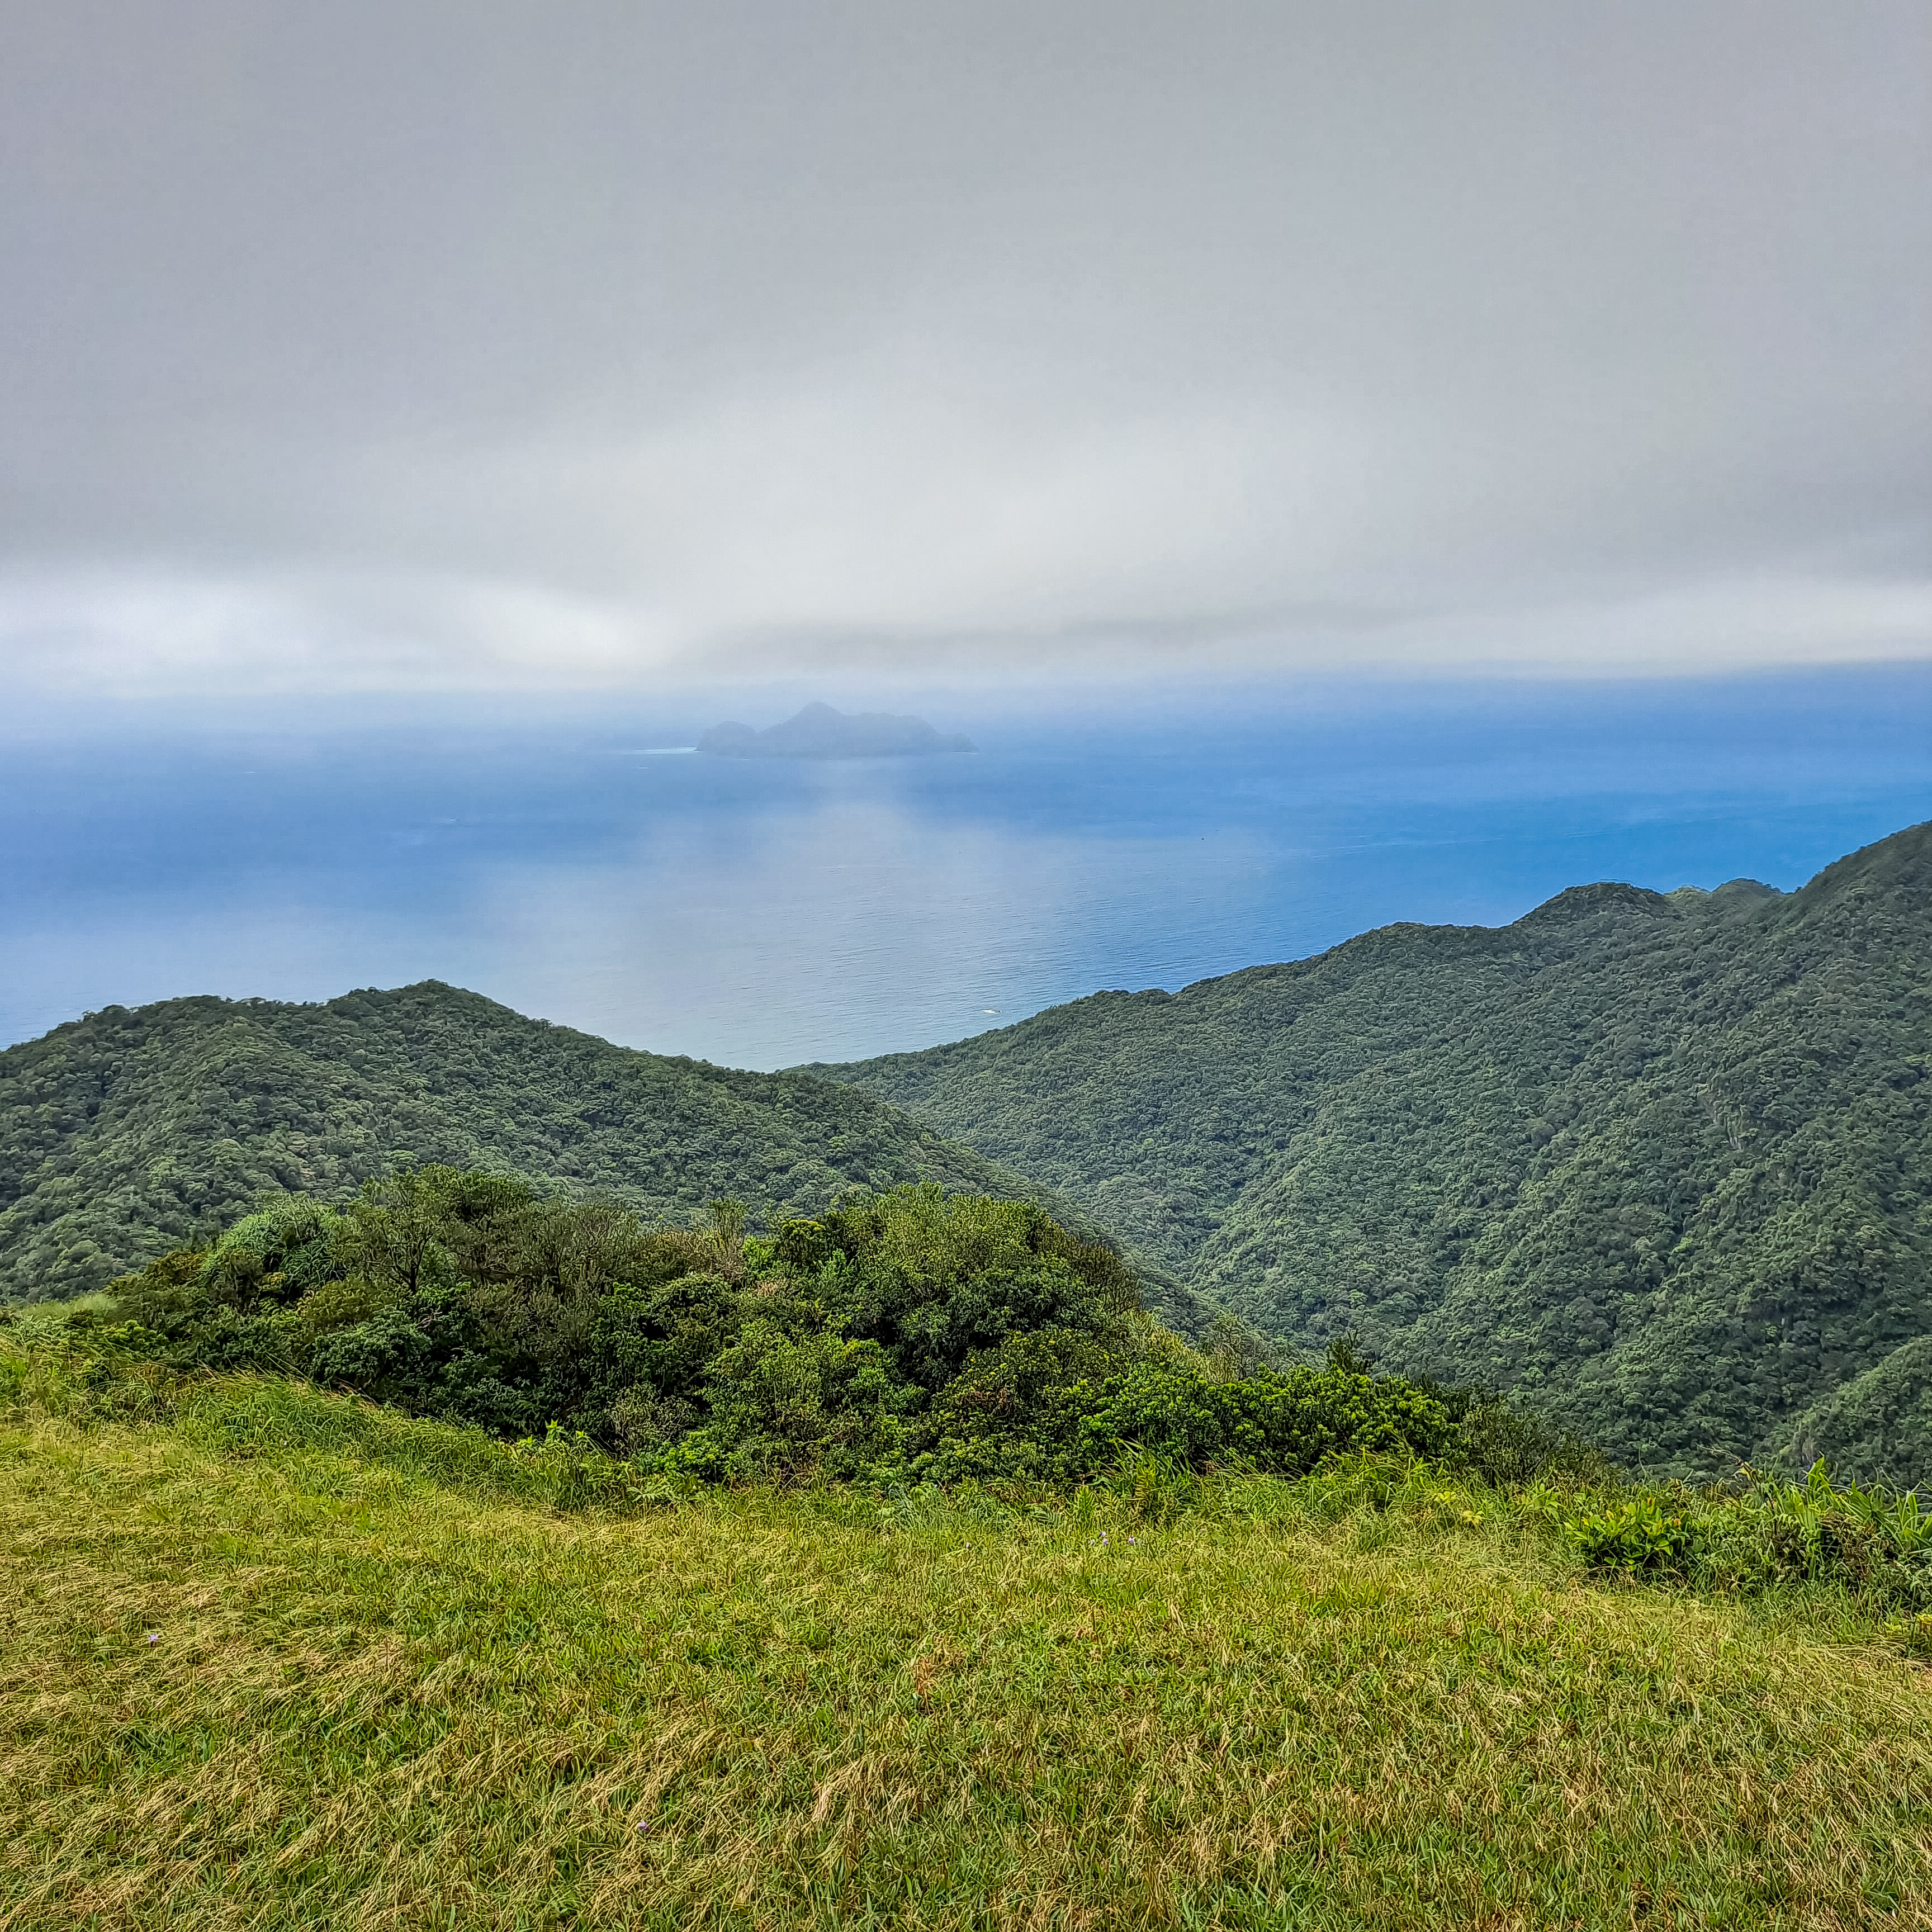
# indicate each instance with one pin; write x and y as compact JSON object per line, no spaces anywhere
{"x":1635,"y":1537}
{"x":900,"y":1338}
{"x":1766,"y":1533}
{"x":906,"y":1342}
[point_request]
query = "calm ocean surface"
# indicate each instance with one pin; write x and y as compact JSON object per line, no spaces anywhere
{"x":762,"y":914}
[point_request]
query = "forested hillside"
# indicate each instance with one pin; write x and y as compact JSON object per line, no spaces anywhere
{"x":1662,"y":1163}
{"x":129,"y":1132}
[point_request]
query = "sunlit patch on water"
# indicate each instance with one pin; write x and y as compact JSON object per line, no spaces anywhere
{"x":763,"y":913}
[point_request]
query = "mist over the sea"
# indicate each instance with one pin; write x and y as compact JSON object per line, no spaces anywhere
{"x":575,"y":865}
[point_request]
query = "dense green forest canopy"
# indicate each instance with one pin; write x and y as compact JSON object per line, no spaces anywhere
{"x":1659,"y":1163}
{"x":129,"y":1133}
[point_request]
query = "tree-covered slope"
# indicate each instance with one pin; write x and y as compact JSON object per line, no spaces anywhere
{"x":1662,"y":1162}
{"x":127,"y":1132}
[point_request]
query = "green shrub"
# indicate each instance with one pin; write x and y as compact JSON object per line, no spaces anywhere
{"x":1285,"y":1423}
{"x":1508,"y":1445}
{"x":905,"y":1337}
{"x":1635,"y":1537}
{"x":1872,"y":1544}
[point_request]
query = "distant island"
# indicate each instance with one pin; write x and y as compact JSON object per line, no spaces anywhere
{"x":819,"y":732}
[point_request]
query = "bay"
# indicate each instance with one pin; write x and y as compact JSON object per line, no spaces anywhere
{"x":569,"y":859}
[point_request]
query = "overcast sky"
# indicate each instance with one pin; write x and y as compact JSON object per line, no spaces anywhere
{"x":411,"y":345}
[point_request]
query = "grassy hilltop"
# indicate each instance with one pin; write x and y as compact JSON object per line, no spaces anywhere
{"x":1661,"y":1164}
{"x":287,"y":1660}
{"x":886,"y":1567}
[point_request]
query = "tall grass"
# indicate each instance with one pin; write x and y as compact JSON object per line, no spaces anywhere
{"x":287,"y":1660}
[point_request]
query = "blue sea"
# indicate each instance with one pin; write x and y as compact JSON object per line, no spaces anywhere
{"x":575,"y":861}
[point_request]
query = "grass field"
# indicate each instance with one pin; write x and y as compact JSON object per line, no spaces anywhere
{"x":288,"y":1663}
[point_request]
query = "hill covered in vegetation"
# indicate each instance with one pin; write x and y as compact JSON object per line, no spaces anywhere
{"x":1661,"y":1164}
{"x":128,"y":1132}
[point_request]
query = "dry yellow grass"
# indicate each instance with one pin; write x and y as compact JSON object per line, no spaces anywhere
{"x":320,"y":1690}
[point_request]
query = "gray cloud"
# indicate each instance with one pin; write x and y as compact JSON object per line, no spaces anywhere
{"x":411,"y":344}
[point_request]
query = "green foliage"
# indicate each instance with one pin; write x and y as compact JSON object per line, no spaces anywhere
{"x":905,"y":1337}
{"x":1508,"y":1445}
{"x":129,"y":1133}
{"x":1635,"y":1537}
{"x":1286,"y":1423}
{"x":1873,"y":1543}
{"x":1657,"y":1168}
{"x":1027,"y":1425}
{"x":1880,"y":1420}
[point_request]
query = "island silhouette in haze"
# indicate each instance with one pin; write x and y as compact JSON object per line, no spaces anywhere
{"x":818,"y":731}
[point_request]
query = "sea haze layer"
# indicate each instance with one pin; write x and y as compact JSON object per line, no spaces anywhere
{"x":760,"y":914}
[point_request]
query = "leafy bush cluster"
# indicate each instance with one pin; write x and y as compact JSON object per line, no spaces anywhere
{"x":908,"y":1335}
{"x":869,"y":1343}
{"x":1873,"y":1541}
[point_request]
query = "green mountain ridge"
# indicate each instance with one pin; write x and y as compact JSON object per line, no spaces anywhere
{"x":1659,"y":1163}
{"x":129,"y":1131}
